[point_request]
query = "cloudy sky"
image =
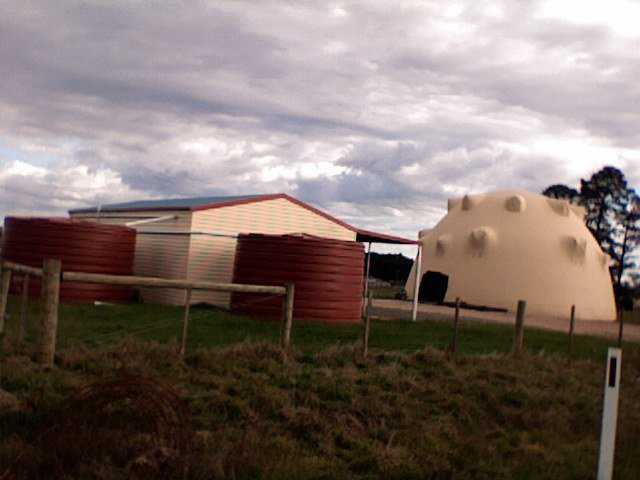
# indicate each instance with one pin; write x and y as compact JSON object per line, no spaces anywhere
{"x":374,"y":111}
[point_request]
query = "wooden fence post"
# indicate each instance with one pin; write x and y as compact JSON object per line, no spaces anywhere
{"x":367,"y":325}
{"x":518,"y":339}
{"x":24,"y":305}
{"x":51,"y":269}
{"x":572,"y":328}
{"x":288,"y":316}
{"x":456,"y":320}
{"x":621,"y":326}
{"x":5,"y":281}
{"x":185,"y":323}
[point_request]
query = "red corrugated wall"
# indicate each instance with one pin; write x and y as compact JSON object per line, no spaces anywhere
{"x":327,"y":273}
{"x":81,"y":246}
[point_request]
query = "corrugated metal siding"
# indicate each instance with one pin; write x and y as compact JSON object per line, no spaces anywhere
{"x":201,"y":257}
{"x":157,"y":255}
{"x":211,"y":258}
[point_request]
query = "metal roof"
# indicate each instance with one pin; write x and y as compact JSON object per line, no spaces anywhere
{"x":167,"y":204}
{"x":206,"y":203}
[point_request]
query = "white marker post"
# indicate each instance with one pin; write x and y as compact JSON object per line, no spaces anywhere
{"x":609,"y":414}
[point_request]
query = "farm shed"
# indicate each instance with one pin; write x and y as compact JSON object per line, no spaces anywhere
{"x":497,"y":248}
{"x":196,"y":238}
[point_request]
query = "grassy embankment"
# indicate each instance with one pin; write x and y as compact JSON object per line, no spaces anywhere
{"x":406,"y":412}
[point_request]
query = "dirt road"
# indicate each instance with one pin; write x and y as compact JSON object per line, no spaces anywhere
{"x":393,"y":309}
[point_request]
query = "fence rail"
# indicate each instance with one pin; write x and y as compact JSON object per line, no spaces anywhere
{"x":169,"y":283}
{"x":22,"y":269}
{"x":52,"y":276}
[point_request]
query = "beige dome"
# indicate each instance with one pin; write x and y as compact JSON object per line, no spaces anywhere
{"x":497,"y":248}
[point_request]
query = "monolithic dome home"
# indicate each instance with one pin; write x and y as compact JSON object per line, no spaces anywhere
{"x":497,"y":248}
{"x":195,"y":238}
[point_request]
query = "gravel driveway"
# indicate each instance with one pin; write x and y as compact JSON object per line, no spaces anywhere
{"x":394,"y":309}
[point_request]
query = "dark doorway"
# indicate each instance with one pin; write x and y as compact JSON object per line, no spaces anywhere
{"x":433,"y":287}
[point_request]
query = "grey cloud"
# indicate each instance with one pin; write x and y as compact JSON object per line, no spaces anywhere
{"x":409,"y":107}
{"x":380,"y":180}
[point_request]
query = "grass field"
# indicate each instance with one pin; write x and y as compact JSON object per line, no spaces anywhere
{"x":632,"y":317}
{"x":327,"y":415}
{"x":387,"y":292}
{"x":103,"y":325}
{"x":409,"y":411}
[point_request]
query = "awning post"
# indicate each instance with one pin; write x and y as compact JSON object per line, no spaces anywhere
{"x":366,"y":275}
{"x":366,"y":279}
{"x":416,"y":287}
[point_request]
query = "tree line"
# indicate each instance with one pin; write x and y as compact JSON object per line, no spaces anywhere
{"x":613,"y":217}
{"x":390,"y":267}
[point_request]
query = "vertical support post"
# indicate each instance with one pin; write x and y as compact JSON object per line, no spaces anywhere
{"x":367,"y":326}
{"x":572,"y":328}
{"x":51,"y":269}
{"x":24,"y":305}
{"x":288,"y":316}
{"x":185,"y":323}
{"x":416,"y":287}
{"x":456,"y":320}
{"x":366,"y":275}
{"x":609,"y":414}
{"x":518,"y":339}
{"x":5,"y":281}
{"x":620,"y":326}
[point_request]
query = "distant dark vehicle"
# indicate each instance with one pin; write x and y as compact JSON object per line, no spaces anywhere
{"x":401,"y":295}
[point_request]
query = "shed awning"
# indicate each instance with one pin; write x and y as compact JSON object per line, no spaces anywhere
{"x":367,"y":236}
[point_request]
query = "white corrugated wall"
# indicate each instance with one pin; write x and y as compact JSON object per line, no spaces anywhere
{"x":157,"y":255}
{"x":212,"y":258}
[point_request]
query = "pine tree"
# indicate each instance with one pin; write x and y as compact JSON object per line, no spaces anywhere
{"x":624,"y":248}
{"x":604,"y":196}
{"x":562,"y":192}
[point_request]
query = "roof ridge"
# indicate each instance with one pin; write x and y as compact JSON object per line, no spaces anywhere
{"x":209,"y":203}
{"x":174,"y":203}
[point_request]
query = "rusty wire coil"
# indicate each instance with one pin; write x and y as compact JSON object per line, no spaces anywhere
{"x":132,"y":423}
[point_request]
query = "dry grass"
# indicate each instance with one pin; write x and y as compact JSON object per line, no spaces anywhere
{"x":257,"y":414}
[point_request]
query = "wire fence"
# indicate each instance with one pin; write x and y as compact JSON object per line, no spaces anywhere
{"x":160,"y":328}
{"x":52,"y":276}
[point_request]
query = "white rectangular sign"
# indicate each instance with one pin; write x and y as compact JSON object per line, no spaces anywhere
{"x":609,"y":414}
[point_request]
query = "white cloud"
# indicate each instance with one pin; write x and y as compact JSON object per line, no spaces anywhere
{"x":621,"y":16}
{"x":376,"y":111}
{"x":23,"y":169}
{"x":338,"y":11}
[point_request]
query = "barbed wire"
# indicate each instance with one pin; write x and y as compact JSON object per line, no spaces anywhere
{"x":104,"y":338}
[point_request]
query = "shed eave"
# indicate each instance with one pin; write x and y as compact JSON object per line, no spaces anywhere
{"x":367,"y":236}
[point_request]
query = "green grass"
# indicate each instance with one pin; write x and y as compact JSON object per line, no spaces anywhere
{"x":323,"y":412}
{"x":328,"y":415}
{"x":107,"y":324}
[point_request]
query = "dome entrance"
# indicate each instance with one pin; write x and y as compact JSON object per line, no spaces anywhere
{"x":433,"y":287}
